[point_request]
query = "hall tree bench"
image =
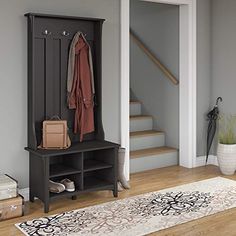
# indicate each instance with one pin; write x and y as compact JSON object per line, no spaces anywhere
{"x":91,"y":164}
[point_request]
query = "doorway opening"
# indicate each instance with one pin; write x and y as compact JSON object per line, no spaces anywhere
{"x":187,"y":79}
{"x":154,"y":85}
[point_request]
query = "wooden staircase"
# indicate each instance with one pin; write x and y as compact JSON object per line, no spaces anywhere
{"x":147,"y":146}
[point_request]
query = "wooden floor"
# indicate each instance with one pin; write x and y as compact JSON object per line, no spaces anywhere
{"x":216,"y":225}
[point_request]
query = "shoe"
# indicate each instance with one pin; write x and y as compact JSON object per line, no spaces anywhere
{"x":55,"y":187}
{"x":69,"y":185}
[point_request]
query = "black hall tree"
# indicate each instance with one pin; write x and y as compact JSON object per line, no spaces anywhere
{"x":91,"y":164}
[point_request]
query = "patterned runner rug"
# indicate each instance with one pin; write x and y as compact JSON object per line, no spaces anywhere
{"x":142,"y":214}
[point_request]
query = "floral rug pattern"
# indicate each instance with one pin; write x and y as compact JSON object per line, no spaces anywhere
{"x":142,"y":214}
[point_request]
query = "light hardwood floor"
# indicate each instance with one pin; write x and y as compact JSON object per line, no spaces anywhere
{"x":216,"y":225}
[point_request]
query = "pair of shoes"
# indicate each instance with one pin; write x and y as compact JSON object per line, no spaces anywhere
{"x":64,"y":185}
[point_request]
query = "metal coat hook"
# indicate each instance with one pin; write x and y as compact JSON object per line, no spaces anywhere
{"x":65,"y":33}
{"x":46,"y":32}
{"x":219,"y":99}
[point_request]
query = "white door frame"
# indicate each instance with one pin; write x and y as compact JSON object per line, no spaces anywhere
{"x":187,"y":77}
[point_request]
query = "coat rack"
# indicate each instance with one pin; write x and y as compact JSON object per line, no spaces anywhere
{"x":64,"y":33}
{"x":92,"y":164}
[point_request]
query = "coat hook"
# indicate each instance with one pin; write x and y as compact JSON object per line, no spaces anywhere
{"x":217,"y":100}
{"x":46,"y":32}
{"x":65,"y":33}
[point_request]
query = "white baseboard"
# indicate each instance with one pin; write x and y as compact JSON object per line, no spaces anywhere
{"x":201,"y":161}
{"x":25,"y":193}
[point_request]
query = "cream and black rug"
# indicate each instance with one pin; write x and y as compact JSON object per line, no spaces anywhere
{"x":140,"y":215}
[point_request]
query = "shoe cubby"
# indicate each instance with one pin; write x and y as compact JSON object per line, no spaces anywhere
{"x":98,"y":160}
{"x":99,"y":179}
{"x":65,"y":165}
{"x":76,"y":178}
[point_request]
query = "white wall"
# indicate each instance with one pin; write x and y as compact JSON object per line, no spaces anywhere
{"x":157,"y":25}
{"x":13,"y":73}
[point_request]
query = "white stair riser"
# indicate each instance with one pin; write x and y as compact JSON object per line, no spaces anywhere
{"x":135,"y":109}
{"x":149,"y":141}
{"x":140,"y":124}
{"x":153,"y":162}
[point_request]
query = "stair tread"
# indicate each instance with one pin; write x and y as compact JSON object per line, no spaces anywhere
{"x":152,"y":151}
{"x":139,"y":117}
{"x":134,"y":102}
{"x":145,"y":133}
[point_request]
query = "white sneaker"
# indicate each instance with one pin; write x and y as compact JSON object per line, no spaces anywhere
{"x":69,"y":185}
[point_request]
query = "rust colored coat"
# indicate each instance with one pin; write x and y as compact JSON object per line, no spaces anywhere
{"x":81,"y":96}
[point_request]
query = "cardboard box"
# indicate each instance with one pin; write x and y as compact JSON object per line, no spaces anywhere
{"x":11,"y":208}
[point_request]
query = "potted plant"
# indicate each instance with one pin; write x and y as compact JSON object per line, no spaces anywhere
{"x":226,"y":151}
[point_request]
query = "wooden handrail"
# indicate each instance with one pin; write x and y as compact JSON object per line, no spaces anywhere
{"x":157,"y":62}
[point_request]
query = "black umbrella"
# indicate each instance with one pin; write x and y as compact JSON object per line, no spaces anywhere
{"x":212,"y":117}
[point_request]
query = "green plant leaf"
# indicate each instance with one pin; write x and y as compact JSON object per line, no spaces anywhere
{"x":227,"y":129}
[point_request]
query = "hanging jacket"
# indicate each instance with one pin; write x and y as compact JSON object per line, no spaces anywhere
{"x":71,"y":62}
{"x":81,"y":93}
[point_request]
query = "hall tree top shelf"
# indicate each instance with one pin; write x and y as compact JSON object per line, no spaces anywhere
{"x":63,"y":17}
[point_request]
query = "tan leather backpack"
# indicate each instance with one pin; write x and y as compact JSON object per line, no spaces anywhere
{"x":55,"y":135}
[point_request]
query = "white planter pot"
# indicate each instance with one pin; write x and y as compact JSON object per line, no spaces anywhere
{"x":226,"y":155}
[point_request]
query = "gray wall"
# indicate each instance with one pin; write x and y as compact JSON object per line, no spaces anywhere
{"x":224,"y":54}
{"x":203,"y":71}
{"x":216,"y":67}
{"x":13,"y":73}
{"x":216,"y":62}
{"x":157,"y":25}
